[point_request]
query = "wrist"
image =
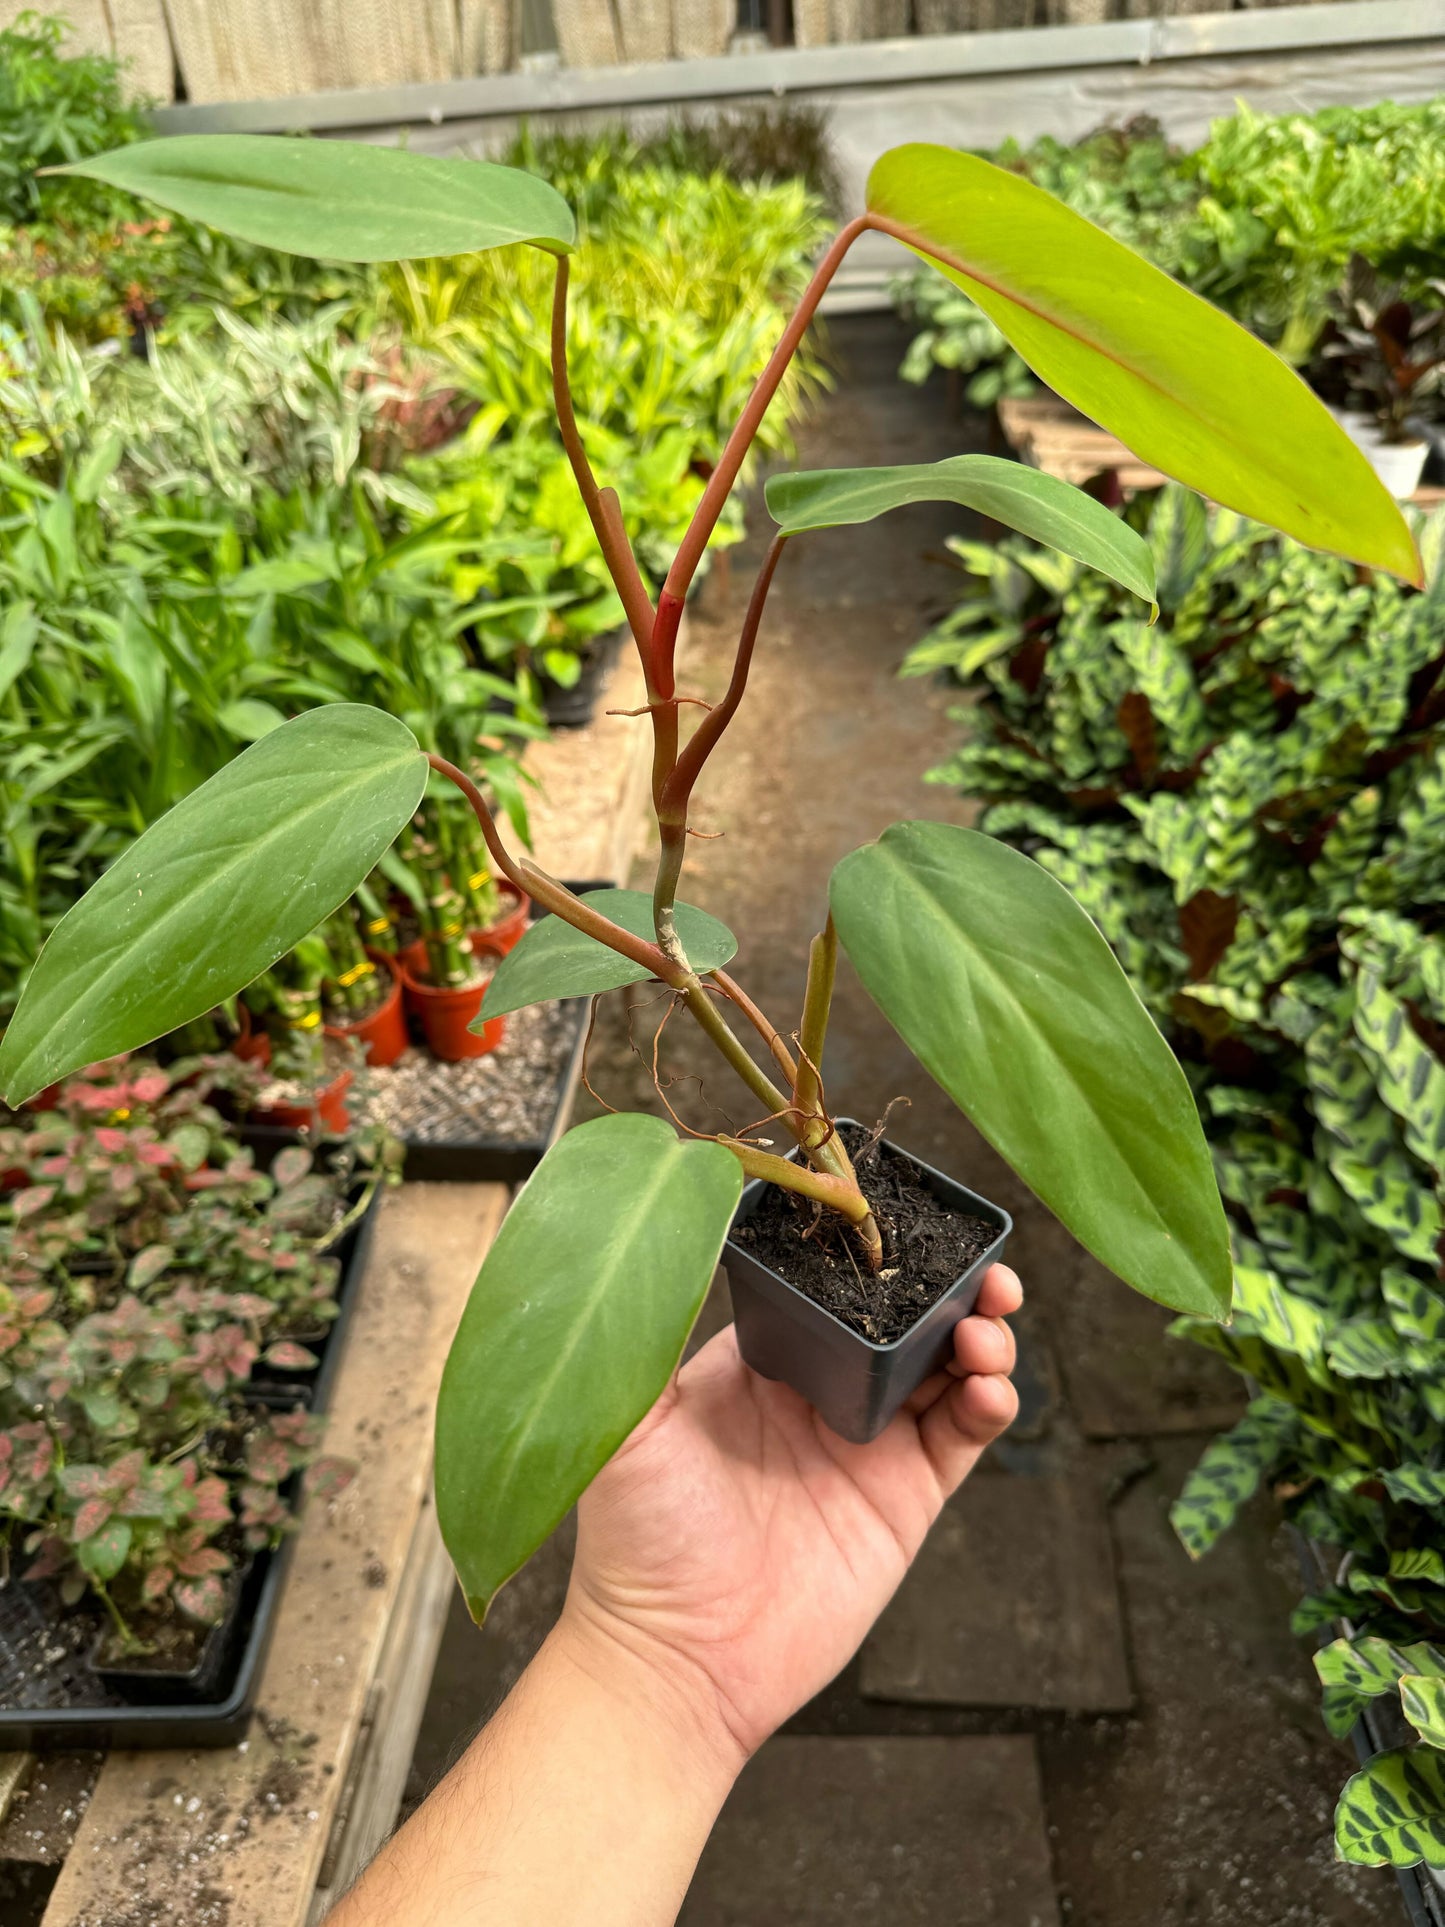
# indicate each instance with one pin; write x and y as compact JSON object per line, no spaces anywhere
{"x":671,"y":1700}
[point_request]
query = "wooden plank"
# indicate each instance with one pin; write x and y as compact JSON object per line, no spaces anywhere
{"x":132,"y":31}
{"x":277,"y":48}
{"x":590,"y":814}
{"x":377,"y":1780}
{"x":142,"y":43}
{"x":486,"y":36}
{"x":644,"y":29}
{"x":701,"y":29}
{"x":586,"y":33}
{"x":239,"y":1833}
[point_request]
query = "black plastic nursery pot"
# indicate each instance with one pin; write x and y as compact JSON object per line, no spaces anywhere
{"x":856,"y":1386}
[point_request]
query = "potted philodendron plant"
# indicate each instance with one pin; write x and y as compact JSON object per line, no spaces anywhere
{"x":991,"y":973}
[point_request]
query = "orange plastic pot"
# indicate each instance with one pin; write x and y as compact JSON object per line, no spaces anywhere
{"x":251,"y":1045}
{"x":508,"y":931}
{"x":327,"y":1110}
{"x":382,"y":1035}
{"x":445,"y":1010}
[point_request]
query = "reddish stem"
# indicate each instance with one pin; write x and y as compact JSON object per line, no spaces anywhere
{"x":556,"y":896}
{"x":720,"y":482}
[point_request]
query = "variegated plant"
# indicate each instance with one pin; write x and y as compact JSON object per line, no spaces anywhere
{"x":1249,"y":798}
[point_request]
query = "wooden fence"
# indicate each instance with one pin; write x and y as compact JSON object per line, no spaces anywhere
{"x":242,"y":50}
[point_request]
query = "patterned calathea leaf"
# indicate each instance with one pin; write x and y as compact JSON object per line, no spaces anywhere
{"x":1415,"y":1484}
{"x":1422,"y":1701}
{"x":1366,"y":1348}
{"x":1355,"y":1671}
{"x":1392,"y":1812}
{"x":1416,"y":1311}
{"x":1409,"y":1076}
{"x":1230,"y":1473}
{"x":1422,"y":1604}
{"x":1360,"y":1143}
{"x":1265,"y":1306}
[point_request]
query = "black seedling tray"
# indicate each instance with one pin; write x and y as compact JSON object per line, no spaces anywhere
{"x":215,"y":1723}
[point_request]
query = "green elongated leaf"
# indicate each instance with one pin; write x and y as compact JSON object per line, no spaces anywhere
{"x":1422,"y":1701}
{"x":1179,"y":383}
{"x":1003,"y":988}
{"x":248,"y":719}
{"x":1035,"y":504}
{"x":338,"y":200}
{"x":576,"y":1321}
{"x":554,"y":960}
{"x":1392,"y":1812}
{"x":212,"y":894}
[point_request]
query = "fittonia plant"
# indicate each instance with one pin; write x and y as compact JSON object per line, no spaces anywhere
{"x":994,"y":977}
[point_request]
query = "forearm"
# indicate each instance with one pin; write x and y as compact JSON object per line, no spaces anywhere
{"x":587,"y":1798}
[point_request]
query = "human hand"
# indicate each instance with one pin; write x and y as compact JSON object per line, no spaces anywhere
{"x":741,"y":1549}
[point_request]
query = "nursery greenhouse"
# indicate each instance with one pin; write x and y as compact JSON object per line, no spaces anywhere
{"x":895,"y":544}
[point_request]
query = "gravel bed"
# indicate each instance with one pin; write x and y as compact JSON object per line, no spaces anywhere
{"x":508,"y":1096}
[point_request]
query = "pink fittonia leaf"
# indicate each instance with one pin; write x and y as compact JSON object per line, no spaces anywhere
{"x":24,"y":1204}
{"x":289,"y":1356}
{"x":149,"y":1086}
{"x":291,"y":1165}
{"x":196,"y":1563}
{"x":90,"y":1518}
{"x":329,"y":1477}
{"x":268,"y":1461}
{"x":157,"y":1584}
{"x":83,"y":1481}
{"x":210,"y":1503}
{"x":148,"y":1265}
{"x":202,"y":1599}
{"x":50,"y":1559}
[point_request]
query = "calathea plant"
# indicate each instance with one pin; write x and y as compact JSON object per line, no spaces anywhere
{"x":992,"y":974}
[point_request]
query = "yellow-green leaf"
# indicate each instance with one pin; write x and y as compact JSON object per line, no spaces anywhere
{"x":1181,"y":385}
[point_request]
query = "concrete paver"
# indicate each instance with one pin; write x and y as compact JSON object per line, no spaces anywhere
{"x":858,"y":1833}
{"x":1012,"y":1602}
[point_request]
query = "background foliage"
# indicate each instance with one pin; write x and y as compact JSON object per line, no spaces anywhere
{"x":1263,"y":219}
{"x":1249,"y":799}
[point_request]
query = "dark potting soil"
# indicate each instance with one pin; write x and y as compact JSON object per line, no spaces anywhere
{"x":510,"y":1095}
{"x":925,"y":1245}
{"x":44,"y":1646}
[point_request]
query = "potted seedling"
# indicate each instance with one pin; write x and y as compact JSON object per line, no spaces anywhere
{"x":1381,"y":363}
{"x":1000,"y":984}
{"x":362,"y":993}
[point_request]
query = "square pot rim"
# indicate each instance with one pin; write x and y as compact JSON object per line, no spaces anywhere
{"x":808,"y":1310}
